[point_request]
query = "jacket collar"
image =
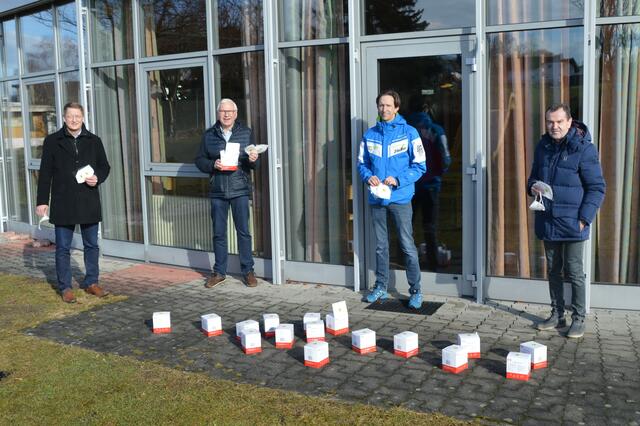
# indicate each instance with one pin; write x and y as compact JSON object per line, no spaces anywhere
{"x":63,"y":135}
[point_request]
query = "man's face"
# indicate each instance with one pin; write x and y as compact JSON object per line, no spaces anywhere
{"x":558,"y":124}
{"x":73,"y":118}
{"x":227,"y":114}
{"x":387,"y":109}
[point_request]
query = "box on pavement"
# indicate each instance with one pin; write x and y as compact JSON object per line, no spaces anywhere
{"x":310,"y":317}
{"x":363,"y":341}
{"x":338,"y":319}
{"x":518,"y":366}
{"x":454,"y":359}
{"x":161,"y":322}
{"x":211,"y":325}
{"x":538,"y":353}
{"x":284,"y":336}
{"x":251,"y":341}
{"x":246,"y":325}
{"x":471,"y":343}
{"x":405,"y":344}
{"x":270,"y":321}
{"x":316,"y":354}
{"x":315,"y":331}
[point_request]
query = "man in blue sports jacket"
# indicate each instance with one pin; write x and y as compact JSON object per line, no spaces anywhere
{"x":566,"y":160}
{"x":391,"y":154}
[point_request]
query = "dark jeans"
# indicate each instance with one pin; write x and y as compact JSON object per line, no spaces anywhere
{"x":564,"y":261}
{"x":428,"y":201}
{"x":219,"y":214}
{"x":64,"y":236}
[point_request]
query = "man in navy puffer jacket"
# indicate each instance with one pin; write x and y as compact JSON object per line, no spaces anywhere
{"x":566,"y":160}
{"x":391,"y":154}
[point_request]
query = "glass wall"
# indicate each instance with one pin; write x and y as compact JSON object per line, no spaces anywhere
{"x":111,"y":30}
{"x":8,"y":49}
{"x":237,"y":23}
{"x":41,"y":113}
{"x":515,"y":12}
{"x":303,"y":20}
{"x":619,"y":7}
{"x":36,"y":41}
{"x":174,"y":26}
{"x":68,"y":35}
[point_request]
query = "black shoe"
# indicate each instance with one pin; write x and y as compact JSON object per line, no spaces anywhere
{"x":554,"y":321}
{"x":577,"y":329}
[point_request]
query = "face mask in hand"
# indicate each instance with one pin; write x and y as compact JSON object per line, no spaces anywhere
{"x":537,"y":204}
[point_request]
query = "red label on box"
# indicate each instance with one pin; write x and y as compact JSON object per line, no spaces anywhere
{"x":228,"y":168}
{"x":211,"y":333}
{"x":318,"y":364}
{"x":250,"y":351}
{"x":455,"y":370}
{"x":473,"y":355}
{"x":337,"y":332}
{"x":407,"y":354}
{"x":162,"y":330}
{"x":269,"y":334}
{"x":315,"y":339}
{"x":538,"y":365}
{"x":363,"y":350}
{"x":283,"y":345}
{"x":516,"y":376}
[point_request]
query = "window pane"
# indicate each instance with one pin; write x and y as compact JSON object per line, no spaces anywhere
{"x":70,"y":87}
{"x":41,"y":104}
{"x":400,"y":16}
{"x":237,"y":23}
{"x":528,"y":71}
{"x":317,"y":154}
{"x":36,"y":36}
{"x":303,"y":20}
{"x":241,"y":77}
{"x":111,"y":30}
{"x":116,"y":123}
{"x":617,"y":232}
{"x":515,"y":12}
{"x":68,"y":34}
{"x":174,"y":26}
{"x":176,"y":114}
{"x":619,"y":7}
{"x":9,"y":48}
{"x":13,"y":135}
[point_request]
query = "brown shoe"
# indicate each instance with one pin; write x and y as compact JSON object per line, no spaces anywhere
{"x":96,"y":290}
{"x":214,"y":280}
{"x":250,"y":280}
{"x":68,"y":296}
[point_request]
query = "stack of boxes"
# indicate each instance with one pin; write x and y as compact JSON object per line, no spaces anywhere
{"x":246,"y":325}
{"x":338,"y":319}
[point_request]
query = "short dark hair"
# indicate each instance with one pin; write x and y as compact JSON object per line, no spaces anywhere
{"x":73,"y":105}
{"x":559,"y":106}
{"x":393,"y":94}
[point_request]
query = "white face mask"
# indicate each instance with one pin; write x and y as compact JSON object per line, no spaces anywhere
{"x":537,"y":203}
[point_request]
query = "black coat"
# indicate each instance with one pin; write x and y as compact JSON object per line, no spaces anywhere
{"x":226,"y":184}
{"x":71,"y":202}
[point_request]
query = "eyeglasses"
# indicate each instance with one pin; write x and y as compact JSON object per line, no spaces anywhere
{"x":73,"y":117}
{"x":226,"y":111}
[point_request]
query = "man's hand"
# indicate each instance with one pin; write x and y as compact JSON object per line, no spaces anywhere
{"x":253,"y":156}
{"x":91,"y":180}
{"x":582,"y":225}
{"x":42,"y":210}
{"x":217,"y":164}
{"x":374,"y":181}
{"x":391,"y":181}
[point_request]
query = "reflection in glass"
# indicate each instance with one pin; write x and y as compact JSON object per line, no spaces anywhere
{"x":528,"y":71}
{"x":241,"y":77}
{"x":116,"y":123}
{"x":8,"y":48}
{"x":36,"y":37}
{"x":619,"y":7}
{"x":68,"y":35}
{"x":237,"y":23}
{"x":432,"y":85}
{"x":176,"y":114}
{"x":111,"y":30}
{"x":174,"y":26}
{"x":303,"y":20}
{"x":400,"y":16}
{"x":41,"y":104}
{"x":70,"y":87}
{"x":317,"y":156}
{"x":13,"y":136}
{"x":617,"y":232}
{"x":515,"y":12}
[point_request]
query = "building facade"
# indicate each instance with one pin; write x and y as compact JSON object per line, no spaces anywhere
{"x":305,"y":75}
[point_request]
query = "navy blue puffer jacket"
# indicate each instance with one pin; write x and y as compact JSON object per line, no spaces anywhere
{"x":572,"y":169}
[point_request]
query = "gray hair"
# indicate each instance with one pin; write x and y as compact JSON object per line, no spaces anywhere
{"x":226,"y":101}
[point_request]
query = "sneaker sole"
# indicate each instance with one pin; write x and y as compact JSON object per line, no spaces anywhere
{"x":207,"y":285}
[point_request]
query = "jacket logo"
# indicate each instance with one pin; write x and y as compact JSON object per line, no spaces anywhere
{"x":398,"y":147}
{"x":419,"y":156}
{"x":374,"y":148}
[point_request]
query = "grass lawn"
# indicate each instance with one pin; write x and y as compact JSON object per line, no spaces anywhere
{"x":42,"y":382}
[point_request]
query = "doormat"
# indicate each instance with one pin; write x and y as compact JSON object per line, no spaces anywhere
{"x":401,"y":306}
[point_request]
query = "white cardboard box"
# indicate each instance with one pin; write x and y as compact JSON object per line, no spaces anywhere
{"x":538,"y":353}
{"x":251,"y":341}
{"x":518,"y":366}
{"x":270,"y":321}
{"x":316,"y":354}
{"x":454,"y":359}
{"x":315,"y":331}
{"x":363,"y":341}
{"x":161,"y":322}
{"x":338,"y":319}
{"x":471,"y":343}
{"x":309,"y":317}
{"x":211,"y":325}
{"x":405,"y":344}
{"x":248,"y":325}
{"x":284,"y":336}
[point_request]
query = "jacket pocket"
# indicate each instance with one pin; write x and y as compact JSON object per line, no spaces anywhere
{"x":238,"y":181}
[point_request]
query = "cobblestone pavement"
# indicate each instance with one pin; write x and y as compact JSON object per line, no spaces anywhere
{"x":593,"y":380}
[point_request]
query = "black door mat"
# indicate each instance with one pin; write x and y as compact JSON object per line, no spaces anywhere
{"x":401,"y":306}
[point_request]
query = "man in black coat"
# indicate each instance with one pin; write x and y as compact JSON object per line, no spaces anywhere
{"x":229,"y":186}
{"x":75,"y":200}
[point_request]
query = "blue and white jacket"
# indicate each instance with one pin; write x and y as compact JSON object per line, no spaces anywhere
{"x":395,"y":149}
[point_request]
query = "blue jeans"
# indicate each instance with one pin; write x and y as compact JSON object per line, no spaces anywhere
{"x":564,"y":261}
{"x":219,"y":214}
{"x":64,"y":236}
{"x":402,"y":214}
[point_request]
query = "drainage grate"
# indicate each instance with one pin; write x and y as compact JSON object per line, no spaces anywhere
{"x":400,"y":306}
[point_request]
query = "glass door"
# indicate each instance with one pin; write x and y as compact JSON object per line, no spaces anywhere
{"x":432,"y":79}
